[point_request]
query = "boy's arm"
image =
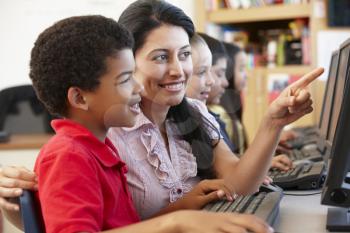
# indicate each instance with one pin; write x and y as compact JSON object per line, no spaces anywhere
{"x":198,"y":222}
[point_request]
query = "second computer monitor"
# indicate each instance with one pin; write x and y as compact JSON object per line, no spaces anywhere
{"x":344,"y":52}
{"x":328,"y":96}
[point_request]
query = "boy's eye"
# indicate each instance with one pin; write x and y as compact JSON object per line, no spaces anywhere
{"x":125,"y":80}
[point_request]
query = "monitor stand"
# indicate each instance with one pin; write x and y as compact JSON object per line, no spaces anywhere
{"x":338,"y":219}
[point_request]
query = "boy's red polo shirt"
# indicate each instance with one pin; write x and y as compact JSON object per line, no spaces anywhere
{"x":82,"y":186}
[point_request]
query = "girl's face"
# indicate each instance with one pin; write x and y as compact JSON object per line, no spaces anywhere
{"x":164,"y":64}
{"x":240,"y":71}
{"x":218,"y":72}
{"x":199,"y":85}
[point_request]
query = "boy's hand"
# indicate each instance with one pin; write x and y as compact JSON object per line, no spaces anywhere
{"x":207,"y":222}
{"x":12,"y":181}
{"x":282,"y":162}
{"x":294,"y":101}
{"x":204,"y":192}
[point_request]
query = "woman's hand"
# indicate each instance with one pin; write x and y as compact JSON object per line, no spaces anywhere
{"x":12,"y":181}
{"x":282,"y":162}
{"x":207,"y":222}
{"x":204,"y":192}
{"x":294,"y":101}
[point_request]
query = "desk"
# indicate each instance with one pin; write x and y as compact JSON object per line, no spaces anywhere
{"x":25,"y":141}
{"x":302,"y":214}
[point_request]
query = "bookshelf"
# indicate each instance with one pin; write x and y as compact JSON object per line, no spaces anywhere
{"x":265,"y":13}
{"x":256,"y":96}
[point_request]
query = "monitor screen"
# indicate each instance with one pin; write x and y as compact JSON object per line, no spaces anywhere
{"x":339,"y":90}
{"x":328,"y":95}
{"x":336,"y":190}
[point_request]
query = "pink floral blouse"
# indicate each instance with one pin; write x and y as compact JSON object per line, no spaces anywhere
{"x":154,"y":177}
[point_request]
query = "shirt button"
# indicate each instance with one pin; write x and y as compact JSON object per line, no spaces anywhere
{"x":179,"y":191}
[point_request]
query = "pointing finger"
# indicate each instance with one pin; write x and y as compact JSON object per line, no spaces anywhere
{"x":306,"y":79}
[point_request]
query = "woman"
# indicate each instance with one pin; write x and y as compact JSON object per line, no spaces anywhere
{"x":175,"y":142}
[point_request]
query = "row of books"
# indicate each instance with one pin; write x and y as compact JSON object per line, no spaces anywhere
{"x":275,"y":47}
{"x":236,"y":4}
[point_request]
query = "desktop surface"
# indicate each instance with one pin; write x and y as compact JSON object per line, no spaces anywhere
{"x":302,"y":214}
{"x":25,"y":141}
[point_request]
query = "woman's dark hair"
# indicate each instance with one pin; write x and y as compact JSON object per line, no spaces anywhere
{"x":216,"y":47}
{"x":143,"y":16}
{"x":73,"y":52}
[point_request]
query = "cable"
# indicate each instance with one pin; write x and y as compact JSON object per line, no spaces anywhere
{"x":301,"y":194}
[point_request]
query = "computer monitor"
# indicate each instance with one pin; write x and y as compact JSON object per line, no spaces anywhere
{"x":322,"y":146}
{"x":336,"y":190}
{"x":339,"y":90}
{"x":328,"y":101}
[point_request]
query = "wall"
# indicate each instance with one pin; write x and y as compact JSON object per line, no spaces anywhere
{"x":20,"y":23}
{"x":22,"y":20}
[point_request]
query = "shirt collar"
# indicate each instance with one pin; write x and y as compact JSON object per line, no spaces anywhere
{"x":106,"y":153}
{"x":141,"y":121}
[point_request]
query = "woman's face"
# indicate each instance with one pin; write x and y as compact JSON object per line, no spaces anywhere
{"x":164,"y":64}
{"x":199,"y":85}
{"x":240,"y":71}
{"x":218,"y":72}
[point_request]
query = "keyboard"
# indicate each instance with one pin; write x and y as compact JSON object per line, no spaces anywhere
{"x":301,"y":141}
{"x":306,"y":129}
{"x":264,"y":204}
{"x":304,"y":176}
{"x":311,"y":155}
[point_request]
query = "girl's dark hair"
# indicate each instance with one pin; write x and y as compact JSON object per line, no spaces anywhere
{"x":231,"y":100}
{"x":197,"y":39}
{"x":216,"y":47}
{"x":143,"y":16}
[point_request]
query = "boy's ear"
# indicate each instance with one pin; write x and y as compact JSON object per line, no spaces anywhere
{"x":76,"y":98}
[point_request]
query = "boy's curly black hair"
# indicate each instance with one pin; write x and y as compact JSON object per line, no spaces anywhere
{"x":73,"y":52}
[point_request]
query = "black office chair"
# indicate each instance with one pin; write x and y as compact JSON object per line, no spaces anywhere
{"x":22,"y":112}
{"x":31,"y":213}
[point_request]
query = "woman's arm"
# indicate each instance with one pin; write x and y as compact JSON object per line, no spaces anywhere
{"x":204,"y":192}
{"x":245,"y":175}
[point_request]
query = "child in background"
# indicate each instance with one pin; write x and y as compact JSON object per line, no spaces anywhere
{"x":221,"y":64}
{"x":231,"y":100}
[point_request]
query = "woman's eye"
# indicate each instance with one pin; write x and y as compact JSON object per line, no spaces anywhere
{"x":162,"y":57}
